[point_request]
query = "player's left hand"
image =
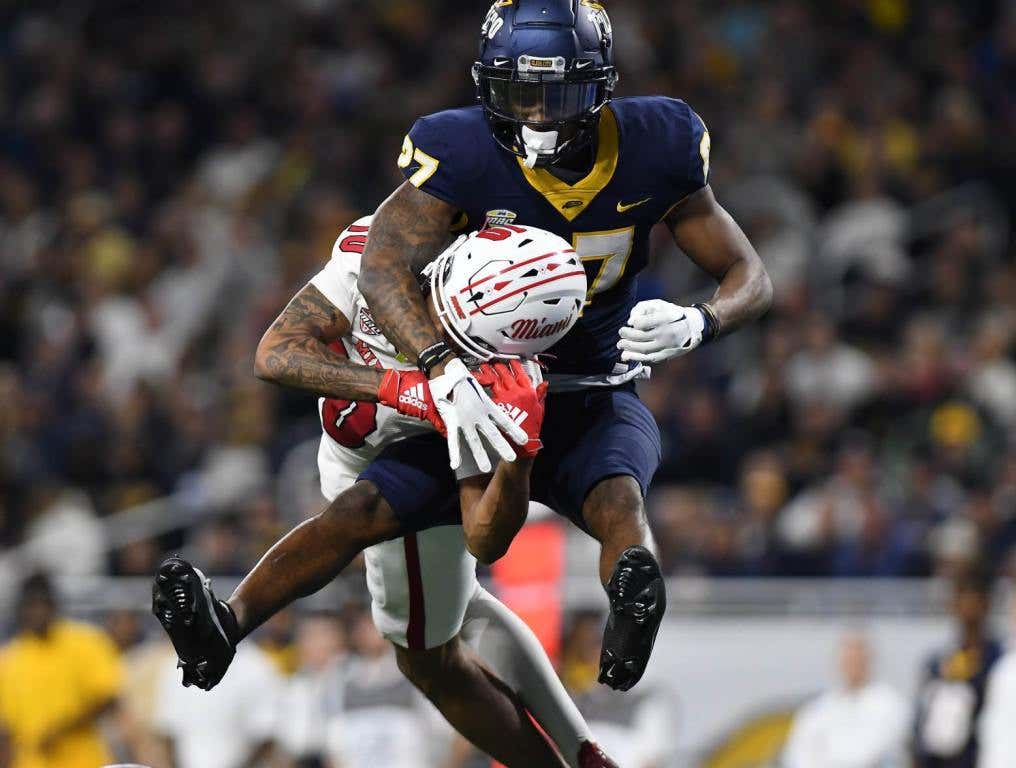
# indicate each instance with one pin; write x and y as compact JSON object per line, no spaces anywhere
{"x":512,"y":389}
{"x":658,"y":330}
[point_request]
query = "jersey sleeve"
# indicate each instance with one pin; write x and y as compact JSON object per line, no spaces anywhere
{"x":688,"y":144}
{"x":337,"y":280}
{"x":441,"y":156}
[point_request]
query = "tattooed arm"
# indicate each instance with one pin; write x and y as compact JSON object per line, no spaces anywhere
{"x":408,"y":231}
{"x":294,"y":352}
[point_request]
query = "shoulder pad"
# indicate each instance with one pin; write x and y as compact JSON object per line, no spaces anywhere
{"x":445,"y":153}
{"x":679,"y":136}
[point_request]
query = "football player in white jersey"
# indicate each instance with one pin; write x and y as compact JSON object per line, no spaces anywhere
{"x":423,"y":585}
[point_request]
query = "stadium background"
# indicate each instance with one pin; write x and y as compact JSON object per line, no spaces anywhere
{"x":169,"y":178}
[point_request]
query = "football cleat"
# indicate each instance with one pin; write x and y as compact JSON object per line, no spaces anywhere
{"x":196,"y":622}
{"x":591,"y":756}
{"x":638,"y":600}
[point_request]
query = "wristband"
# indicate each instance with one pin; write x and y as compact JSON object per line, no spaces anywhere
{"x":712,"y":323}
{"x":433,"y":355}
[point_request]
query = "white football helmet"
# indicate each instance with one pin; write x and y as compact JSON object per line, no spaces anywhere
{"x":507,"y":292}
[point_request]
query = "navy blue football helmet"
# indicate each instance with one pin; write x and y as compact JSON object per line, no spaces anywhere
{"x":546,"y":69}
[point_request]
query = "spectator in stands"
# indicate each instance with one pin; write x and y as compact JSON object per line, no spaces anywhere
{"x":58,"y":679}
{"x":860,"y":723}
{"x":276,"y":638}
{"x":160,"y":201}
{"x":827,"y":370}
{"x":952,"y":692}
{"x":636,"y":727}
{"x":384,"y":721}
{"x":144,"y":661}
{"x":839,"y":525}
{"x":998,"y":721}
{"x":314,"y":694}
{"x":64,"y":536}
{"x":232,"y":726}
{"x":219,"y":544}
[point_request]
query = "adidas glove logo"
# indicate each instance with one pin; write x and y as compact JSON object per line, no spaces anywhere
{"x":414,"y":396}
{"x":515,"y":413}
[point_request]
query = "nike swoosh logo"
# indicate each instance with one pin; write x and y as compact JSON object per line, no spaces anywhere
{"x":621,"y":207}
{"x":582,"y":64}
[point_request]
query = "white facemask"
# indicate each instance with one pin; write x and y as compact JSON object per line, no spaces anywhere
{"x":537,"y":144}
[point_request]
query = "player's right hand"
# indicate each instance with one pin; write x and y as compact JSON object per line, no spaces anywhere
{"x":468,"y":413}
{"x":513,"y":390}
{"x":408,"y":392}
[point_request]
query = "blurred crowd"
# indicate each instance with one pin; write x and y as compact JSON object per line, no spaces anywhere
{"x":170,"y":176}
{"x":323,"y":690}
{"x":323,"y":693}
{"x":314,"y":690}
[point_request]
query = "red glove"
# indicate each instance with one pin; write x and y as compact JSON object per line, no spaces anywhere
{"x":408,"y":392}
{"x":512,"y":389}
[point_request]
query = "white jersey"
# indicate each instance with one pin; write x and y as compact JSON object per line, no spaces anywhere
{"x":424,"y":595}
{"x":354,"y":433}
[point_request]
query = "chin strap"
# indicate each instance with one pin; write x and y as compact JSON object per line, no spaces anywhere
{"x":537,"y":144}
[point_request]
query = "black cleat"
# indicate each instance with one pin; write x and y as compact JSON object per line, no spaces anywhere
{"x":199,"y":624}
{"x":638,"y":600}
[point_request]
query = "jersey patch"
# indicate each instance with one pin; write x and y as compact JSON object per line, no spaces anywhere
{"x":367,"y":324}
{"x":500,"y":217}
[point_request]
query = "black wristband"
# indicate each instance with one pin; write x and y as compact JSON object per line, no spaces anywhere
{"x":712,"y":324}
{"x":433,"y":355}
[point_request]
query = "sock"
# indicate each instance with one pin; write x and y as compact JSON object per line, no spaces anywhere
{"x":511,"y":649}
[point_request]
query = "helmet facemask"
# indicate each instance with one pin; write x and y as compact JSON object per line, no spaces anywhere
{"x":538,"y":108}
{"x":455,"y":323}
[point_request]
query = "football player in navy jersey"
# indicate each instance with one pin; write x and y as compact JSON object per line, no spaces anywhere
{"x":547,"y":146}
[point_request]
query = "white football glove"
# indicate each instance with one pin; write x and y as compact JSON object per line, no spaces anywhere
{"x":658,"y":330}
{"x":468,"y":410}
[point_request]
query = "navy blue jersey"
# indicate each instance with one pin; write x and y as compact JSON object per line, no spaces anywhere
{"x":949,"y":706}
{"x":652,"y":152}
